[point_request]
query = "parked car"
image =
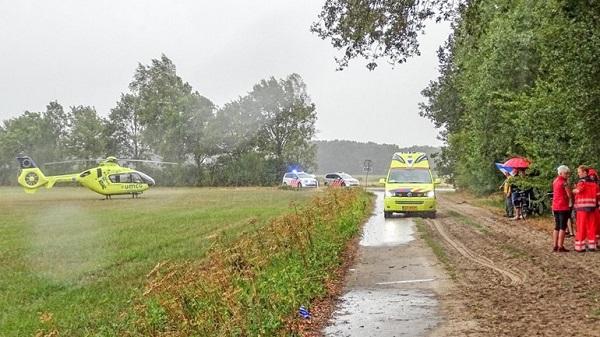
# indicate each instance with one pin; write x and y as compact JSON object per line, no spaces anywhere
{"x":344,"y":179}
{"x":299,"y":180}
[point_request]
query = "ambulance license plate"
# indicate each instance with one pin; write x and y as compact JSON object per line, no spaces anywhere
{"x":409,"y":208}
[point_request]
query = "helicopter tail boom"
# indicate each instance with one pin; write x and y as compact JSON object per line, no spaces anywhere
{"x":67,"y":178}
{"x":32,"y":178}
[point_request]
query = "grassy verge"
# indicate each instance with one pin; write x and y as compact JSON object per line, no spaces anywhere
{"x":427,"y":235}
{"x":469,"y":221}
{"x":254,"y":285}
{"x":74,"y":264}
{"x":495,"y":201}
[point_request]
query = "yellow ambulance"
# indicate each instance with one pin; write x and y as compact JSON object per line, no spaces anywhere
{"x":409,"y":185}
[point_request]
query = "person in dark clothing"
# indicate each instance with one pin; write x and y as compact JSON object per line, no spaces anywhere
{"x":516,"y":199}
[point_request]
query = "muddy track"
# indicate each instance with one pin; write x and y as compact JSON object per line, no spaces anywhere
{"x":515,"y":279}
{"x":525,"y":235}
{"x":508,"y":280}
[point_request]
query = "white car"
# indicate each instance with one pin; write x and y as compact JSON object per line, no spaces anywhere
{"x":299,"y":180}
{"x":343,"y":179}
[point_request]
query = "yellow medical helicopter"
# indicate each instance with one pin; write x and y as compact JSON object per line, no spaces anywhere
{"x":108,"y":179}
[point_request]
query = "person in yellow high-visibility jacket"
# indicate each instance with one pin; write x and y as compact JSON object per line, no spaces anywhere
{"x":507,"y":190}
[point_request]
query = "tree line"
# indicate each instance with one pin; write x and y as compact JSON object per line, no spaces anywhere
{"x":517,"y":77}
{"x":349,"y":156}
{"x":248,"y":141}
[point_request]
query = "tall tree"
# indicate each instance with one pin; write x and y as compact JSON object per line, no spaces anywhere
{"x":374,"y":29}
{"x":520,"y":81}
{"x":196,"y":119}
{"x":42,"y":135}
{"x":124,"y":130}
{"x":516,"y":77}
{"x":235,"y":128}
{"x":86,"y":135}
{"x":172,"y":115}
{"x":58,"y":123}
{"x":287,"y":118}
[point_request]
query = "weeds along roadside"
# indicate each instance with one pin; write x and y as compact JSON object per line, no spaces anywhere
{"x":427,"y":234}
{"x":253,"y":285}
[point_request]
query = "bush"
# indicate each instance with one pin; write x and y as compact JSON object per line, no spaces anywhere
{"x":254,"y":285}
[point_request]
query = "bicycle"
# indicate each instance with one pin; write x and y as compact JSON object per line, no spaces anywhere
{"x":532,"y":202}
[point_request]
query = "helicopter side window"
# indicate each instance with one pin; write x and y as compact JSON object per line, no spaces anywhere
{"x":123,"y":178}
{"x":135,"y":178}
{"x":85,"y":174}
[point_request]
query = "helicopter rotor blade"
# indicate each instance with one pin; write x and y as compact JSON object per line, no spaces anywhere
{"x":148,"y":161}
{"x":70,"y":161}
{"x":98,"y":160}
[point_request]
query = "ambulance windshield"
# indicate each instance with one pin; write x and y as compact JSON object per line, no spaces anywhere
{"x":414,"y":176}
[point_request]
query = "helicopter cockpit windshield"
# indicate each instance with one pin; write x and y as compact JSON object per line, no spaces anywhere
{"x":146,"y":178}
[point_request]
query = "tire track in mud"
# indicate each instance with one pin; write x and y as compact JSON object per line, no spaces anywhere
{"x":515,"y":279}
{"x":491,"y":222}
{"x":552,"y":283}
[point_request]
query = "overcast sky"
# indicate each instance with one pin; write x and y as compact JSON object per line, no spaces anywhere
{"x":85,"y":52}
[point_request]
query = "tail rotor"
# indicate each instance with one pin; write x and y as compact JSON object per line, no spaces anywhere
{"x":30,"y":177}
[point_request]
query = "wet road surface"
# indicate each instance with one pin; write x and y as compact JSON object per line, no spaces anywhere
{"x":391,"y":289}
{"x":381,"y":233}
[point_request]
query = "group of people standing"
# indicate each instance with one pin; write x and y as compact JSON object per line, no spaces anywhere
{"x":584,"y":199}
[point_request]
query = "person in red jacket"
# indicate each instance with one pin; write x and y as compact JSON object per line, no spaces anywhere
{"x":586,"y":204}
{"x":561,"y":207}
{"x":594,"y":176}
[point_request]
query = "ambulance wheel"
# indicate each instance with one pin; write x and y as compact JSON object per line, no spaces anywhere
{"x":343,"y":185}
{"x":387,"y":214}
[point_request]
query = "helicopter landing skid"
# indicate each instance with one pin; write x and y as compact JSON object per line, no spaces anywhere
{"x":133,"y":196}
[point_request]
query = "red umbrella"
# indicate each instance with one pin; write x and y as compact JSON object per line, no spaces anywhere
{"x":517,"y":163}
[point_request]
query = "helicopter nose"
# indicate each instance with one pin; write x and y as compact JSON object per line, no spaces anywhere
{"x":149,"y":180}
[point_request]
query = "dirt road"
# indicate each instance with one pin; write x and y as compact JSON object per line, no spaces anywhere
{"x":508,"y":278}
{"x":393,"y":288}
{"x":505,"y":279}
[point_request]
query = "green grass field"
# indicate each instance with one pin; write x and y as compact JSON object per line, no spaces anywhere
{"x":73,"y":261}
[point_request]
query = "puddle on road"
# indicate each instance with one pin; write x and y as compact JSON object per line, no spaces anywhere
{"x":384,"y":312}
{"x":380,"y":232}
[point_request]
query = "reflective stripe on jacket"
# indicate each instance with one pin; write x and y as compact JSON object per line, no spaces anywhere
{"x":585,"y":199}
